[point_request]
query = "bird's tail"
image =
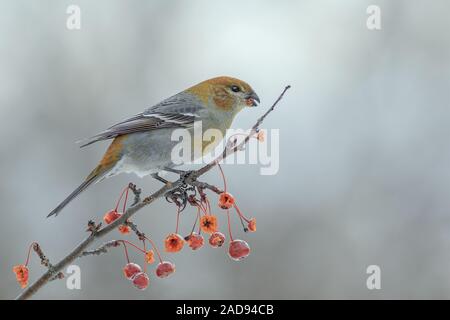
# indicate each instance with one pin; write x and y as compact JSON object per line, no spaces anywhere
{"x":93,"y":177}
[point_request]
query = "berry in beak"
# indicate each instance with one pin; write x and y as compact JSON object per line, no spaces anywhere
{"x":252,"y":100}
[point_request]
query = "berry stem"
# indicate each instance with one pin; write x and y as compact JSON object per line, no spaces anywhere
{"x":223,"y":177}
{"x":133,"y":245}
{"x":145,"y":262}
{"x":204,"y":210}
{"x":178,"y":219}
{"x":154,"y":247}
{"x":196,"y":219}
{"x":243,"y":224}
{"x":200,"y":205}
{"x":229,"y":225}
{"x":29,"y":253}
{"x":125,"y":202}
{"x":126,"y":251}
{"x":208,"y":205}
{"x":199,"y":225}
{"x":120,"y":198}
{"x":240,"y":214}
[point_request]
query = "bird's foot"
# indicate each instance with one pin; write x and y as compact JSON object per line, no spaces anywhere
{"x":181,"y":195}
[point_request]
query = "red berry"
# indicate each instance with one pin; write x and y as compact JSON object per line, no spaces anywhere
{"x":238,"y":250}
{"x":174,"y":242}
{"x":124,"y":229}
{"x":131,"y":269}
{"x":111,"y":216}
{"x":141,"y":280}
{"x":208,"y":223}
{"x":252,"y":225}
{"x":150,"y":257}
{"x":21,"y":272}
{"x":195,"y":241}
{"x":217,"y":239}
{"x":165,"y":269}
{"x":226,"y":200}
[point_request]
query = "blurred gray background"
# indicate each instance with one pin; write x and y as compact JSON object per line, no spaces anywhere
{"x":364,"y":156}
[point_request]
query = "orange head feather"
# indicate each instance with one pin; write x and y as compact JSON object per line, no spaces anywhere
{"x":225,"y":93}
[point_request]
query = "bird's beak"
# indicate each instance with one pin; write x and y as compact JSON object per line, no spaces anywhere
{"x":252,"y":99}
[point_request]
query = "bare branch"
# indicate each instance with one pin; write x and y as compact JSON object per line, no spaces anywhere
{"x":102,"y":249}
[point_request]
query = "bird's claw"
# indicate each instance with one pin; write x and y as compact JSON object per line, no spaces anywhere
{"x":180,"y":195}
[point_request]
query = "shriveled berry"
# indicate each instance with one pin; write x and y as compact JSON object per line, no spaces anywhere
{"x":252,"y":225}
{"x":173,"y":242}
{"x":238,"y":250}
{"x":165,"y":269}
{"x":131,"y":269}
{"x":226,"y":200}
{"x":150,"y":257}
{"x":195,"y":241}
{"x":124,"y":229}
{"x":208,"y":223}
{"x":141,"y":280}
{"x":21,"y":272}
{"x":111,"y":216}
{"x":217,"y":239}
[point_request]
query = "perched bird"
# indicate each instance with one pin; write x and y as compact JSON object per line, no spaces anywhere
{"x":142,"y":144}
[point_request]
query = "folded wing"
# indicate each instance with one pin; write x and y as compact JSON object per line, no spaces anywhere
{"x":179,"y":111}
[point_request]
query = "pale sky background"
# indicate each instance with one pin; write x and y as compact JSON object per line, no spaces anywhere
{"x":364,"y":155}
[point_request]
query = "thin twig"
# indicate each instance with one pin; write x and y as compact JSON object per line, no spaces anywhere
{"x":102,"y":249}
{"x":46,"y":262}
{"x":96,"y":232}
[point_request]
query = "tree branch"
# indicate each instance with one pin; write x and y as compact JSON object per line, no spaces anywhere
{"x":96,"y":232}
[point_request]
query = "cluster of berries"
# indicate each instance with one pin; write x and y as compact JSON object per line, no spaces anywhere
{"x":114,"y":214}
{"x":208,"y":223}
{"x":132,"y":271}
{"x":138,"y":276}
{"x":174,"y":242}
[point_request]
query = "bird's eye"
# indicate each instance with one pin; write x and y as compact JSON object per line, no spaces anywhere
{"x":235,"y":89}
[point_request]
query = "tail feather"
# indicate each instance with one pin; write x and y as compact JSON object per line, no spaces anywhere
{"x":91,"y":179}
{"x":109,"y":160}
{"x":88,"y":141}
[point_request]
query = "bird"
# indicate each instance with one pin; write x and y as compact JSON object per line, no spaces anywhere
{"x":142,"y":144}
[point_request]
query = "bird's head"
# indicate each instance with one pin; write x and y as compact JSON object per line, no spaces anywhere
{"x":226,"y":94}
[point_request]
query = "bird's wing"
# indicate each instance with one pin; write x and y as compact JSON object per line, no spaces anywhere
{"x":179,"y":111}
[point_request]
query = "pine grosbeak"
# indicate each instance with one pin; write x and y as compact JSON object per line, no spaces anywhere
{"x":142,"y":144}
